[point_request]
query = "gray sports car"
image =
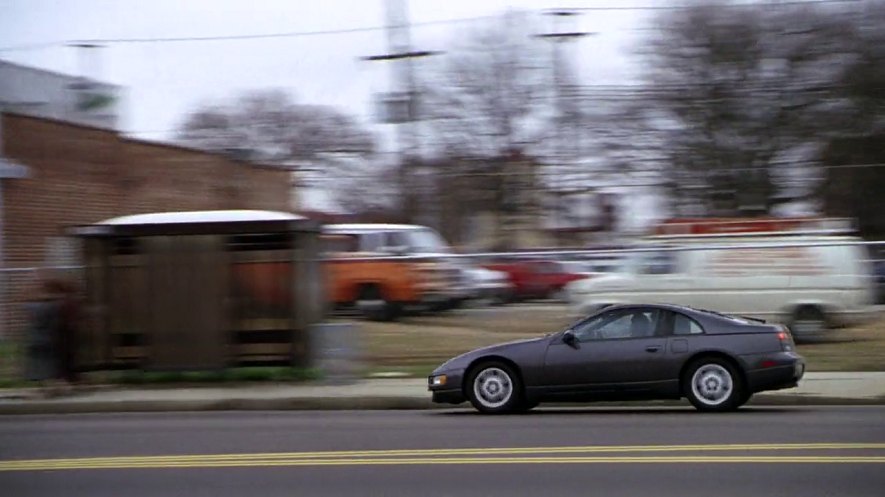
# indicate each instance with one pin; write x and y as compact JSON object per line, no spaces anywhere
{"x":639,"y":352}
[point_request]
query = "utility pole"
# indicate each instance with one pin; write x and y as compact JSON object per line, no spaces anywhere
{"x":561,"y":34}
{"x":89,"y":67}
{"x":402,"y":106}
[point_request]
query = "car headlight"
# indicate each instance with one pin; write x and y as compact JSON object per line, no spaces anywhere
{"x":438,"y":380}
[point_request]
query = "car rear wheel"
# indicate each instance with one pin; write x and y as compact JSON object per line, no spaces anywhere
{"x":808,"y":322}
{"x":713,"y":384}
{"x":494,"y":388}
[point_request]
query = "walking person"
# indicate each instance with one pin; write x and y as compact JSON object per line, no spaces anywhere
{"x":67,"y":331}
{"x":41,"y":364}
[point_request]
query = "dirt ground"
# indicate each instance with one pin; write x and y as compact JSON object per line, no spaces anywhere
{"x":414,"y":345}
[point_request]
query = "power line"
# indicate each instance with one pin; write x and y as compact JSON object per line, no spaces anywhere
{"x":726,"y":5}
{"x":296,"y":34}
{"x":290,"y":34}
{"x":32,"y":46}
{"x":253,"y":36}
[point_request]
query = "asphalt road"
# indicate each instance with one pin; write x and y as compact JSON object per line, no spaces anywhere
{"x":604,"y":452}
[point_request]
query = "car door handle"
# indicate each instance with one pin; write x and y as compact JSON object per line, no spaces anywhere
{"x":653,"y":348}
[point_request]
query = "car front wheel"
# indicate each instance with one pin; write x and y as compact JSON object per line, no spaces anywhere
{"x":494,"y":388}
{"x":713,"y":384}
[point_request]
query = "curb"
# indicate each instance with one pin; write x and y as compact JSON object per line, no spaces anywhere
{"x":359,"y":403}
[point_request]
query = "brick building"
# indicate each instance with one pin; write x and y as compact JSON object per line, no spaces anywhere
{"x":82,"y":175}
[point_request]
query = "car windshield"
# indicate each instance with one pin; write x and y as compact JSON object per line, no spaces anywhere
{"x":421,"y":240}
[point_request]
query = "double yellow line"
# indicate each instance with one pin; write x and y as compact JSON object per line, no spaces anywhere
{"x":692,"y":454}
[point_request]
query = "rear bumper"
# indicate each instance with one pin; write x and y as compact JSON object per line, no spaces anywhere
{"x":781,"y":371}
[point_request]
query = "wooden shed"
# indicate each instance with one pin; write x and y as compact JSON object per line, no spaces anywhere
{"x":200,"y":290}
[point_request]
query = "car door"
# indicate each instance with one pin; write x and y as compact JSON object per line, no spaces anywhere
{"x":619,"y":350}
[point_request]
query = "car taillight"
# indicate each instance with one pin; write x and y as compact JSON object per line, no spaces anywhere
{"x":786,"y":340}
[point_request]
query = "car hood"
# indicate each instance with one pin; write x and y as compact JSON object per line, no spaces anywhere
{"x":600,"y":280}
{"x":502,"y":349}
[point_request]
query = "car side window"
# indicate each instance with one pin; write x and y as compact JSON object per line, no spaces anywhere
{"x":660,"y":263}
{"x":684,"y":325}
{"x":340,"y":243}
{"x":618,"y":324}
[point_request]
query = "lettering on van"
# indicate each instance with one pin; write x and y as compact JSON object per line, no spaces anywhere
{"x":787,"y":261}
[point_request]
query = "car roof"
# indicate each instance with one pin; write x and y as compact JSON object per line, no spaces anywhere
{"x":369,"y":227}
{"x":701,"y":314}
{"x":670,"y":307}
{"x":218,"y":216}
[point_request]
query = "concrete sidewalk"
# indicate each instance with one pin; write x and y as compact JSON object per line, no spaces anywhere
{"x":815,"y":388}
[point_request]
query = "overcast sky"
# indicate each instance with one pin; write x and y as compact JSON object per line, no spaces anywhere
{"x":164,"y":80}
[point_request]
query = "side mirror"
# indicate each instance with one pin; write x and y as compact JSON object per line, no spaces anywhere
{"x":570,"y":339}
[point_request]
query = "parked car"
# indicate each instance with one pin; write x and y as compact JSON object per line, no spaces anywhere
{"x":632,"y":352}
{"x":489,"y":285}
{"x":535,"y":278}
{"x":810,"y":283}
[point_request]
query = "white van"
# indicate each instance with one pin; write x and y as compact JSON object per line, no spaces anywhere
{"x":809,"y":283}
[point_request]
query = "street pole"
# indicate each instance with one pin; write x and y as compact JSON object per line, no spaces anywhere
{"x":402,"y":56}
{"x":558,"y":37}
{"x":4,"y":303}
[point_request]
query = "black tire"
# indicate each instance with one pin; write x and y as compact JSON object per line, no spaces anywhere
{"x":503,"y":298}
{"x":446,"y":305}
{"x":379,"y":309}
{"x":712,"y":384}
{"x":527,"y":406}
{"x":808,"y":322}
{"x":494,"y":388}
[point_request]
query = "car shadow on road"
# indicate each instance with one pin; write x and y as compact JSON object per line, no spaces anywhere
{"x":686,"y":410}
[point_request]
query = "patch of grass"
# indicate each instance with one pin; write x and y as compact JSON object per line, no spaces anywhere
{"x":10,"y":361}
{"x":415,"y":345}
{"x":232,"y":375}
{"x":12,"y":383}
{"x":853,"y":349}
{"x":431,"y":339}
{"x":273,"y":374}
{"x":408,"y":370}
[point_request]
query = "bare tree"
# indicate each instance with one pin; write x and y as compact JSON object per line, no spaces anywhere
{"x":484,"y":104}
{"x":740,"y":96}
{"x":855,"y":156}
{"x":268,"y":126}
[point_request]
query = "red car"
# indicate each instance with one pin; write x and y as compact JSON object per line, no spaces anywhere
{"x":535,"y":279}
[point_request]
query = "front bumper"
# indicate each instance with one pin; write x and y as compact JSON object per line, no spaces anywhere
{"x":442,"y":296}
{"x":448,"y":397}
{"x":450,"y":392}
{"x":491,"y":291}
